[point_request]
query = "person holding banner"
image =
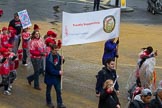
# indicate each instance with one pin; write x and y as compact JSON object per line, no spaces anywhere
{"x":107,"y":72}
{"x":96,"y":5}
{"x":110,"y":50}
{"x":53,"y":75}
{"x":16,"y":24}
{"x":108,"y":97}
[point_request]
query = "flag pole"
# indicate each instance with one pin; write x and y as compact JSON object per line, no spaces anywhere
{"x":116,"y":60}
{"x":62,"y":68}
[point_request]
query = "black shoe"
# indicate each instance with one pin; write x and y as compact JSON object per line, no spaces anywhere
{"x":29,"y":82}
{"x":50,"y":105}
{"x":61,"y":106}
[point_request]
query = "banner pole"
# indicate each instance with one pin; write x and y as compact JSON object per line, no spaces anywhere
{"x":118,"y":55}
{"x":62,"y":68}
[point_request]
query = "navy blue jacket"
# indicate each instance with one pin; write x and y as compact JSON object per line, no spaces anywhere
{"x":138,"y":104}
{"x":155,"y":103}
{"x":104,"y":75}
{"x":52,"y":75}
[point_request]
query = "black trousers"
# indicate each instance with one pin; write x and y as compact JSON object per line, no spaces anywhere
{"x":116,"y":3}
{"x":96,"y":5}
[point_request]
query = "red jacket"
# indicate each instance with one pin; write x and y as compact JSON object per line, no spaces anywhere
{"x":4,"y":67}
{"x":25,"y":39}
{"x":4,"y":40}
{"x":37,"y":47}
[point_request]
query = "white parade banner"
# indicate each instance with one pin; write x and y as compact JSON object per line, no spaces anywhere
{"x":81,"y":28}
{"x":112,"y":2}
{"x":24,"y":18}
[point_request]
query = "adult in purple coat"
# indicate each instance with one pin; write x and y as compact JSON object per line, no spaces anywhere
{"x":110,"y":50}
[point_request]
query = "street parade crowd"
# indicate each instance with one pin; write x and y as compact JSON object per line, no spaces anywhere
{"x":45,"y":59}
{"x":40,"y":50}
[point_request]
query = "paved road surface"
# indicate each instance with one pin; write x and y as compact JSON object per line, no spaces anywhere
{"x":43,"y":10}
{"x":79,"y":80}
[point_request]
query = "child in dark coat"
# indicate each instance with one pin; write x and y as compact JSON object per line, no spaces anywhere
{"x":108,"y":97}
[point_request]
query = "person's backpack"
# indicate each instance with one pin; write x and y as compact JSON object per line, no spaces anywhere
{"x":135,"y":104}
{"x":104,"y":74}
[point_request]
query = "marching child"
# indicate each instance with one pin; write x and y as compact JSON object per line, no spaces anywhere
{"x":4,"y":70}
{"x":8,"y":68}
{"x":12,"y":33}
{"x":25,"y":45}
{"x":4,"y":37}
{"x":13,"y":73}
{"x":108,"y":97}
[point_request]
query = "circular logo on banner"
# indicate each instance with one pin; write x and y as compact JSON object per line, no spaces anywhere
{"x":109,"y":24}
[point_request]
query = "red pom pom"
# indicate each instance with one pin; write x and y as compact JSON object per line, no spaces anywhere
{"x":59,"y":44}
{"x":20,"y":51}
{"x":49,"y":40}
{"x":8,"y":46}
{"x":2,"y":50}
{"x":109,"y":91}
{"x":20,"y":56}
{"x":54,"y":42}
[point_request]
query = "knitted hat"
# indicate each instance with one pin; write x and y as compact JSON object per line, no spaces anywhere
{"x":8,"y":46}
{"x":49,"y":40}
{"x":146,"y":92}
{"x":51,"y":33}
{"x":4,"y":28}
{"x":36,"y":27}
{"x":2,"y":50}
{"x":11,"y":28}
{"x":20,"y":51}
